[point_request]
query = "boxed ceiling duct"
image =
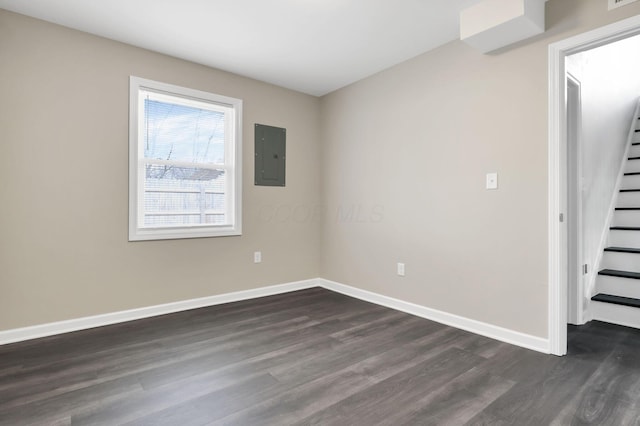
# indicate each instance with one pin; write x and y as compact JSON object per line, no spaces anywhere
{"x":492,"y":24}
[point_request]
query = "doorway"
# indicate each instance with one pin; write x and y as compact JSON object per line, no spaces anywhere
{"x":562,"y":93}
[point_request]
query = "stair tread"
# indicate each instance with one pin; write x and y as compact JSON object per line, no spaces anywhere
{"x":620,"y":274}
{"x":623,"y":249}
{"x":618,"y":300}
{"x":630,"y":190}
{"x":633,"y":158}
{"x":632,"y":174}
{"x":625,"y":228}
{"x":636,"y":143}
{"x":627,"y":208}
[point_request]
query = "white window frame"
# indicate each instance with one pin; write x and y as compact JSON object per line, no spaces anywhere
{"x":232,"y":165}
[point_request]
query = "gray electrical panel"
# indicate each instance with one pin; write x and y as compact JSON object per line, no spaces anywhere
{"x":270,"y":147}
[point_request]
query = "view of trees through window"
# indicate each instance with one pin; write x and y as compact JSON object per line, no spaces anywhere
{"x":184,"y":157}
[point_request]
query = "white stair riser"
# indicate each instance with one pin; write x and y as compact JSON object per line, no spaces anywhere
{"x":626,"y":287}
{"x":616,"y":314}
{"x":624,"y":239}
{"x":626,"y":218}
{"x":628,"y":199}
{"x":630,"y":182}
{"x":632,"y":166}
{"x":621,"y":261}
{"x":634,"y":151}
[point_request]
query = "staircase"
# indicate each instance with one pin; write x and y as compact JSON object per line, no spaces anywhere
{"x":618,"y":283}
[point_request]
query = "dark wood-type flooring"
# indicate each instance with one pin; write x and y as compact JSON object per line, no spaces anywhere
{"x":315,"y":357}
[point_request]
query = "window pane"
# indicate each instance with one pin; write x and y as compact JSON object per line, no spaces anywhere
{"x":181,"y":196}
{"x":182,"y":133}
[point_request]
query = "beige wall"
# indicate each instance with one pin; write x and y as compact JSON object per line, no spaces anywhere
{"x":63,"y":183}
{"x":410,"y":146}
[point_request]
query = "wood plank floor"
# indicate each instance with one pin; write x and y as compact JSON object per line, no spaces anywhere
{"x":315,"y":357}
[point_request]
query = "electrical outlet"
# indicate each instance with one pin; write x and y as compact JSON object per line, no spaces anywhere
{"x":492,"y":181}
{"x":257,"y":256}
{"x":401,"y":269}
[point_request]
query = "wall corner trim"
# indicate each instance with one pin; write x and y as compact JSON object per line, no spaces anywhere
{"x":517,"y":338}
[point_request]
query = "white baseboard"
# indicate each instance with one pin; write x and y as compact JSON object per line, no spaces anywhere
{"x":505,"y":335}
{"x":509,"y":336}
{"x":50,"y":329}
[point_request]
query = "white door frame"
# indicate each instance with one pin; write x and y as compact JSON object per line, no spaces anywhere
{"x":558,"y":281}
{"x":576,"y":307}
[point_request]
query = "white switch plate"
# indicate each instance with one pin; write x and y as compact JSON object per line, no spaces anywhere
{"x":257,"y":256}
{"x":492,"y":181}
{"x":614,"y":4}
{"x":401,"y":269}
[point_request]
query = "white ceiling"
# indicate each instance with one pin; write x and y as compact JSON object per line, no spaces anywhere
{"x":312,"y":46}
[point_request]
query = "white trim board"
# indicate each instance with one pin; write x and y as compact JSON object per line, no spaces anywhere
{"x":488,"y":330}
{"x":60,"y":327}
{"x":575,"y":241}
{"x":505,"y":335}
{"x":557,"y":231}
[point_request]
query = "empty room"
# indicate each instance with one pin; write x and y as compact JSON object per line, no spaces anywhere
{"x":354,"y":212}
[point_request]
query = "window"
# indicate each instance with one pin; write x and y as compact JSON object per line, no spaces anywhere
{"x":184,"y":162}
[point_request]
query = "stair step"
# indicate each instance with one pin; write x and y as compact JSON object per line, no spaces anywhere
{"x":632,"y":174}
{"x":632,"y":166}
{"x":626,"y":216}
{"x":623,"y":249}
{"x":619,"y":261}
{"x":616,"y":300}
{"x":625,"y":228}
{"x":628,"y":199}
{"x":621,"y":237}
{"x":618,"y":286}
{"x":628,"y":316}
{"x":636,"y":143}
{"x":620,"y":274}
{"x":630,"y":182}
{"x":630,"y":190}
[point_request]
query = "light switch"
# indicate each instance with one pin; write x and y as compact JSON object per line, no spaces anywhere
{"x":492,"y":181}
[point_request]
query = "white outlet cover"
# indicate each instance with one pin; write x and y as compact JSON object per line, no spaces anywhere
{"x":492,"y":181}
{"x":257,"y":257}
{"x":401,"y":269}
{"x":614,"y":4}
